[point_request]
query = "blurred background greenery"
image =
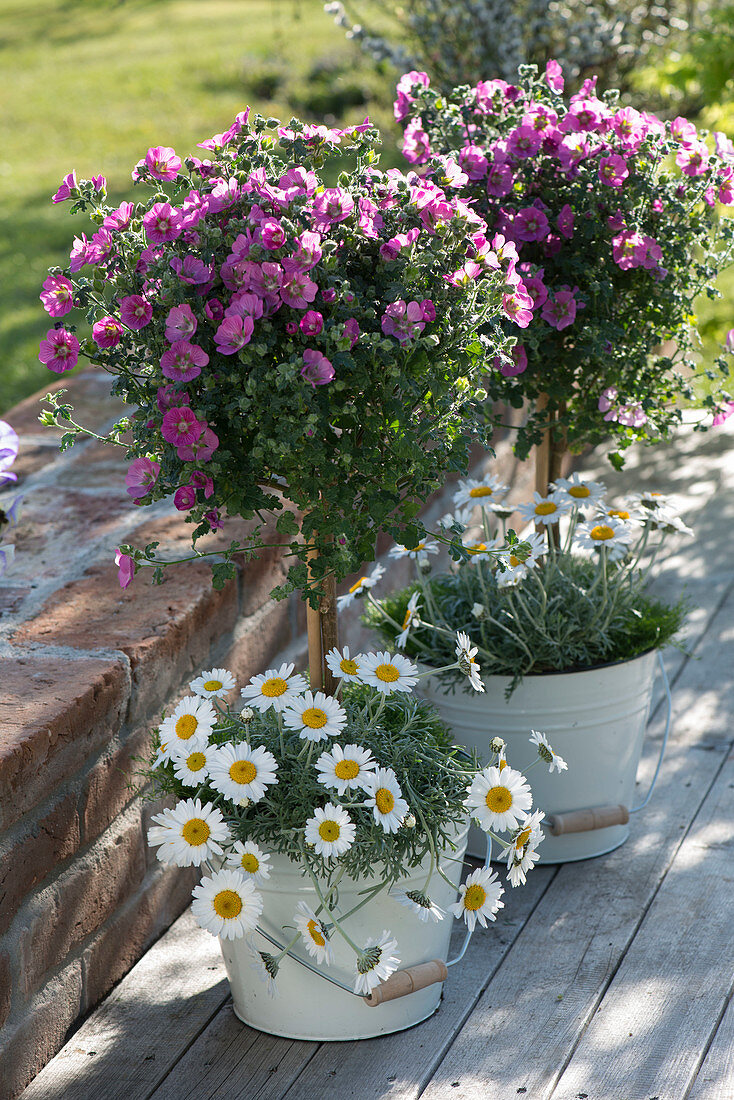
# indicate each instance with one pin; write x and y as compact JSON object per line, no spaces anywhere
{"x":91,"y":84}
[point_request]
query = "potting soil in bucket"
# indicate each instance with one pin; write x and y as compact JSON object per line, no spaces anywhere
{"x":594,"y":719}
{"x":310,"y":1007}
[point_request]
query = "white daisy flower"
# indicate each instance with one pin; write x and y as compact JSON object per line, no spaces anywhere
{"x":266,"y":967}
{"x":479,"y":898}
{"x":346,"y":768}
{"x":376,"y":963}
{"x":214,"y":684}
{"x":581,"y":493}
{"x":651,"y":502}
{"x":555,"y":762}
{"x":193,"y":769}
{"x":276,"y":688}
{"x":668,"y":521}
{"x":386,"y":800}
{"x":610,"y":532}
{"x":314,"y":934}
{"x":465,"y":654}
{"x":414,"y":552}
{"x":359,"y":588}
{"x":472,"y":492}
{"x":330,"y":830}
{"x":478,"y":611}
{"x":518,"y":871}
{"x":478,"y":551}
{"x":528,"y":834}
{"x":546,"y":509}
{"x":388,"y":673}
{"x":226,"y":904}
{"x":498,"y":797}
{"x":412,"y":618}
{"x":316,"y":717}
{"x":187,"y":728}
{"x":188,"y":834}
{"x":242,"y":773}
{"x":517,"y":562}
{"x":249,"y":860}
{"x":631,"y":514}
{"x":344,"y":666}
{"x":420,"y":904}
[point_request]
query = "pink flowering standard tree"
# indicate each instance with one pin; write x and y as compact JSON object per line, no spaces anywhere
{"x":608,"y":225}
{"x":283,"y":342}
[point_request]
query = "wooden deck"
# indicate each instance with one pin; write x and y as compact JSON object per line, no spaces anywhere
{"x":608,"y":980}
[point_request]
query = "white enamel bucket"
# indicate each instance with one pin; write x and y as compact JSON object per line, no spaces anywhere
{"x":594,"y":719}
{"x":309,"y":1006}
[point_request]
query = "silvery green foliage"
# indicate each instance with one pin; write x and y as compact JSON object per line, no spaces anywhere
{"x":464,"y":41}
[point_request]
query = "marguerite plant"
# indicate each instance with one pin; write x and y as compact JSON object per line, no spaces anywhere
{"x":368,"y":786}
{"x":574,"y":594}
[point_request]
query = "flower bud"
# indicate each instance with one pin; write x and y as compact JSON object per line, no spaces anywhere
{"x":478,"y":611}
{"x":497,"y":744}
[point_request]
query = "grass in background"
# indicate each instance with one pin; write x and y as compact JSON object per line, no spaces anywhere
{"x":91,"y":85}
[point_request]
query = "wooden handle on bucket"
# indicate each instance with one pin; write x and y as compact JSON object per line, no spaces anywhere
{"x":583,"y":821}
{"x":403,"y":982}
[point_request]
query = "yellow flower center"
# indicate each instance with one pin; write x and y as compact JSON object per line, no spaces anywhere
{"x":329,"y":831}
{"x":186,"y":726}
{"x":408,"y":617}
{"x":579,"y":491}
{"x":314,"y":718}
{"x":195,"y":832}
{"x":387,"y":673}
{"x":477,"y":548}
{"x":475,"y":897}
{"x":274,"y":687}
{"x":213,"y":685}
{"x":618,"y":514}
{"x":348,"y":667}
{"x":227,"y":904}
{"x":315,"y":934}
{"x":384,"y":800}
{"x":358,"y":584}
{"x":502,"y":765}
{"x":523,"y":838}
{"x":601,"y":532}
{"x":545,"y":508}
{"x":196,"y":761}
{"x":514,"y":562}
{"x":346,"y":769}
{"x":242,"y":771}
{"x":250,"y":863}
{"x":499,"y":799}
{"x":481,"y":491}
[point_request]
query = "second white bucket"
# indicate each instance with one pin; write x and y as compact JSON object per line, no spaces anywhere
{"x":594,"y":719}
{"x":309,"y":1006}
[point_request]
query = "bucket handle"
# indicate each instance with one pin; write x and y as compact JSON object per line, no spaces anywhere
{"x":601,"y":817}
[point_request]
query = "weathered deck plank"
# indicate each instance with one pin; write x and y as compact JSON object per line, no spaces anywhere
{"x":140,"y":1031}
{"x":715,"y":1078}
{"x":666,"y":999}
{"x":528,"y":1022}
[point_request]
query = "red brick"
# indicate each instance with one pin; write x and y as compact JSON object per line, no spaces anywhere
{"x":25,"y":1048}
{"x":27,"y":860}
{"x":119,"y":944}
{"x":54,"y":713}
{"x":113,"y":782}
{"x":259,"y":640}
{"x":4,"y":987}
{"x":79,"y":902}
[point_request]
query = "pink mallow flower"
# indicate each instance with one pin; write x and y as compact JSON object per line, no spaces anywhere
{"x":613,"y":170}
{"x":202,"y":481}
{"x":107,"y":332}
{"x":57,"y":296}
{"x":308,"y":253}
{"x":183,"y":361}
{"x":530,"y":224}
{"x":214,"y":309}
{"x":272,"y":233}
{"x":565,"y":221}
{"x":125,"y":568}
{"x":554,"y":76}
{"x":214,"y":520}
{"x":202,"y":449}
{"x":68,"y":184}
{"x":351,"y":331}
{"x":233,"y":334}
{"x":519,"y":362}
{"x":316,"y":369}
{"x":518,"y":306}
{"x":135,"y":312}
{"x":184,"y":498}
{"x":312,"y":322}
{"x":297,"y":290}
{"x":120,"y":218}
{"x":180,"y":323}
{"x":332,"y":205}
{"x":560,"y":309}
{"x":192,"y":270}
{"x":59,"y":351}
{"x":403,"y":320}
{"x":626,"y":247}
{"x":693,"y":159}
{"x":180,"y":426}
{"x":141,"y":477}
{"x":162,"y":223}
{"x":162,"y":162}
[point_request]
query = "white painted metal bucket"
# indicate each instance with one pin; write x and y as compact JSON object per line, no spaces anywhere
{"x":594,"y":719}
{"x":309,"y":1006}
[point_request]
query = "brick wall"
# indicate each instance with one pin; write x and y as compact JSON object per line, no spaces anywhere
{"x":85,"y":671}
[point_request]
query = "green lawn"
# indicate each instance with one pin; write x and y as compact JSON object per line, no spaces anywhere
{"x":91,"y":85}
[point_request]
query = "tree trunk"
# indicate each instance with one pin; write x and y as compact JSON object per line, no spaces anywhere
{"x":549,"y":454}
{"x":323,"y":635}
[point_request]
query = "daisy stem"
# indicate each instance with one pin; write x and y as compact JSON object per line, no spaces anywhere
{"x":371,"y":894}
{"x":328,"y":911}
{"x":288,"y":948}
